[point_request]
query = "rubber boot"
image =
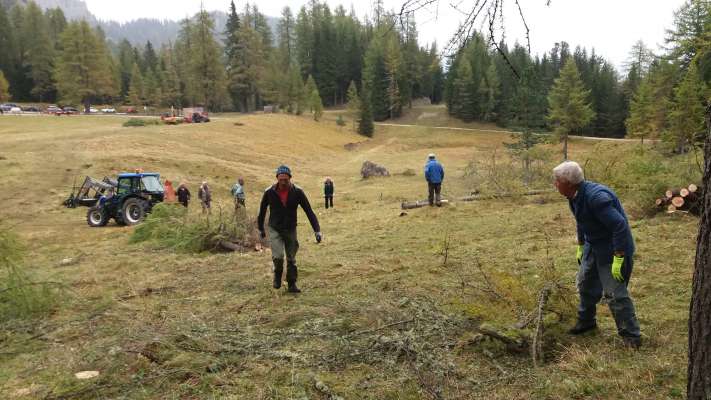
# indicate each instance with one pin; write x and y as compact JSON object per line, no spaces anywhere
{"x":278,"y":270}
{"x":291,"y":276}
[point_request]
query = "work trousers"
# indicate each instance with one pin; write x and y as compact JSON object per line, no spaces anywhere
{"x":595,"y":281}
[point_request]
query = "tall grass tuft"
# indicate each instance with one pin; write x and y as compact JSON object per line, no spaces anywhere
{"x":20,"y":296}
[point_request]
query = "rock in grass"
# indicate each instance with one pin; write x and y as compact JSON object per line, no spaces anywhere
{"x":86,"y":374}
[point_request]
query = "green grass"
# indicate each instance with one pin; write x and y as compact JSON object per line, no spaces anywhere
{"x":381,"y":317}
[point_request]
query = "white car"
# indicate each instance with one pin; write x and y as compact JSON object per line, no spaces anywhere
{"x":108,"y":110}
{"x":93,"y":110}
{"x":15,"y":110}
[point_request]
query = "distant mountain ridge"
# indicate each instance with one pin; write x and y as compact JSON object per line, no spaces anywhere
{"x":138,"y":31}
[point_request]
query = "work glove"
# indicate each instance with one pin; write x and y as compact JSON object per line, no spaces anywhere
{"x":319,"y":237}
{"x":579,"y":254}
{"x":617,"y":263}
{"x":262,"y":234}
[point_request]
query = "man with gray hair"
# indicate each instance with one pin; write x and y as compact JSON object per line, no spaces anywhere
{"x":605,"y":252}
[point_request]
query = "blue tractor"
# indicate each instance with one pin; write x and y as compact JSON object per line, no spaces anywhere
{"x":127,"y":199}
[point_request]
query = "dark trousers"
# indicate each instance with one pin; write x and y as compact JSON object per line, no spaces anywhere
{"x":329,"y":200}
{"x":595,"y":281}
{"x":435,"y":190}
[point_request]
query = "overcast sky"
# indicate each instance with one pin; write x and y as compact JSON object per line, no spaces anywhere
{"x":611,"y":27}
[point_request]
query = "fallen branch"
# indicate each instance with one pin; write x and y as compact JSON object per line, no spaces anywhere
{"x":536,"y":342}
{"x":475,"y":197}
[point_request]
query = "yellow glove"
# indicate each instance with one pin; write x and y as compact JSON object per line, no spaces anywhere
{"x":617,"y":263}
{"x":579,"y":253}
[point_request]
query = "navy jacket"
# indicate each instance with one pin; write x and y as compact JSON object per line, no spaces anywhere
{"x":328,"y":189}
{"x":283,"y":219}
{"x":601,"y":220}
{"x":434,"y":172}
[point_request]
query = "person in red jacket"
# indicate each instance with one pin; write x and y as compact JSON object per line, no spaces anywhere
{"x":282,"y":199}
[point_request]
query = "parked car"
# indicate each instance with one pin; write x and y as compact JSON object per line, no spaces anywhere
{"x":7,"y":107}
{"x":34,"y":109}
{"x":70,"y":110}
{"x":93,"y":110}
{"x":53,"y":109}
{"x":131,"y":110}
{"x":109,"y":110}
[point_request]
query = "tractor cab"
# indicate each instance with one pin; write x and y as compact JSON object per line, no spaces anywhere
{"x":144,"y":184}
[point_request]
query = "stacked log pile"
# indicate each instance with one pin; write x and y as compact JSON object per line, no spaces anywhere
{"x":684,"y":199}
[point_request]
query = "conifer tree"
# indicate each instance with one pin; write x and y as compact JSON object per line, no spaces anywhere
{"x":365,"y":122}
{"x":38,"y":60}
{"x":640,"y":123}
{"x":206,"y":70}
{"x":463,"y":92}
{"x":83,"y":73}
{"x":353,"y":104}
{"x":4,"y":88}
{"x":570,"y":109}
{"x":136,"y":92}
{"x":687,"y":115}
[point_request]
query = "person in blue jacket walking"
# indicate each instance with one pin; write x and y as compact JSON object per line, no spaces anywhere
{"x":605,"y":252}
{"x":434,"y":174}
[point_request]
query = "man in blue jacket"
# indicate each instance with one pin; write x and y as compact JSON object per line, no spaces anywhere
{"x":434,"y":174}
{"x":605,"y":252}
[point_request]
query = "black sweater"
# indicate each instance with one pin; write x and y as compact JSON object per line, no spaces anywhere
{"x":284,"y":218}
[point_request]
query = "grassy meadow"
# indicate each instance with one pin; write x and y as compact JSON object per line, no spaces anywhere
{"x":391,"y":304}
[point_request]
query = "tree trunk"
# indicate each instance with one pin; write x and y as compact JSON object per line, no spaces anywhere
{"x":565,"y":147}
{"x":699,"y":368}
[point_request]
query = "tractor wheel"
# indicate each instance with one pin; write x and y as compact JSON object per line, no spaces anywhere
{"x":96,"y":216}
{"x":133,"y":211}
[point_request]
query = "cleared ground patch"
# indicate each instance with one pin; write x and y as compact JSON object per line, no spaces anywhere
{"x":381,"y":317}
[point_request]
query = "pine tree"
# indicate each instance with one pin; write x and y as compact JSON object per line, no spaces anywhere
{"x":687,"y":115}
{"x":570,"y":109}
{"x":4,"y":88}
{"x":232,"y":28}
{"x":83,"y":72}
{"x":150,"y":58}
{"x":463,"y":92}
{"x":171,"y":80}
{"x":286,"y":39}
{"x":365,"y":122}
{"x":353,"y":104}
{"x":136,"y":92}
{"x":207,"y":75}
{"x":39,"y":53}
{"x":375,"y":76}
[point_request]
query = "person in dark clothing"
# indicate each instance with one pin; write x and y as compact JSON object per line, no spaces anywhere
{"x":183,"y":194}
{"x":605,"y":252}
{"x":282,"y":199}
{"x":434,"y":174}
{"x":328,"y":192}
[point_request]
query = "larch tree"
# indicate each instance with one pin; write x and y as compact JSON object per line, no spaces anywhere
{"x":83,"y":71}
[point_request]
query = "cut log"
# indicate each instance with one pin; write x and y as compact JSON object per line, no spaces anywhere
{"x":671,"y":208}
{"x":671,"y":193}
{"x":683,"y":192}
{"x":408,"y":205}
{"x":678,"y":202}
{"x":660,"y":202}
{"x":693,"y":188}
